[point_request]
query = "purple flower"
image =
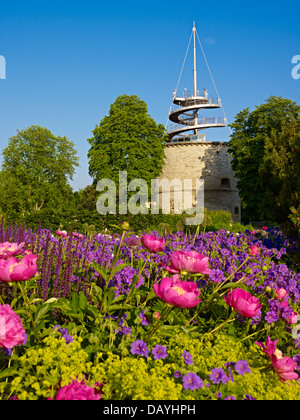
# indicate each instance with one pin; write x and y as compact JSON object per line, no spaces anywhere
{"x":217,"y":276}
{"x":249,"y":397}
{"x":139,"y":347}
{"x":271,"y":317}
{"x":64,"y":333}
{"x":242,"y":367}
{"x":160,"y":352}
{"x":177,"y":374}
{"x":218,"y":375}
{"x":187,"y":358}
{"x":143,"y":318}
{"x":192,"y":381}
{"x":296,"y":359}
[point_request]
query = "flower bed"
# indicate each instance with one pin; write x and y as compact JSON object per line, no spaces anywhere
{"x":210,"y":316}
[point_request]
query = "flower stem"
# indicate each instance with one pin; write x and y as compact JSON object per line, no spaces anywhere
{"x":221,"y":326}
{"x":163,"y":317}
{"x":27,"y":304}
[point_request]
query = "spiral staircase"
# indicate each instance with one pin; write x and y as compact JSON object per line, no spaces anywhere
{"x":184,"y":113}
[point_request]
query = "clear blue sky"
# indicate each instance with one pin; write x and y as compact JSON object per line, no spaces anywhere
{"x":67,"y":61}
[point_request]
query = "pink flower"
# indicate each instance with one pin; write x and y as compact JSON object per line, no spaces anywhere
{"x":152,"y":243}
{"x":125,"y":225}
{"x":294,"y":317}
{"x":175,"y":292}
{"x":156,"y":315}
{"x":252,"y":232}
{"x":253,"y":250}
{"x":280,"y":293}
{"x":189,"y":261}
{"x":243,"y":303}
{"x":269,"y":348}
{"x":265,"y":228}
{"x":8,"y":249}
{"x":78,"y":391}
{"x":62,"y":233}
{"x":285,"y":367}
{"x":77,"y":235}
{"x":14,"y":269}
{"x":12,"y":332}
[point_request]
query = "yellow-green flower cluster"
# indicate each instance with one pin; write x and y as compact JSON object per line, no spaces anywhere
{"x":42,"y":369}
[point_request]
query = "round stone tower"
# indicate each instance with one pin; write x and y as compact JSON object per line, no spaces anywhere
{"x":189,"y":156}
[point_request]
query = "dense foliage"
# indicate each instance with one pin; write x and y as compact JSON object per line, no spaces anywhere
{"x":265,"y":149}
{"x":36,"y":169}
{"x":203,"y":316}
{"x":127,"y":139}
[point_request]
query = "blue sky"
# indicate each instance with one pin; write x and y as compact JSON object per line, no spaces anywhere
{"x":67,"y":61}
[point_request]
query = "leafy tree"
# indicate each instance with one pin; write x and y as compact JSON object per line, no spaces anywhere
{"x":252,"y":133}
{"x":280,"y":172}
{"x":128,"y":139}
{"x":35,"y":172}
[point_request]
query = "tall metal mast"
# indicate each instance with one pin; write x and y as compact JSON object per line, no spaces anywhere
{"x":195,"y":78}
{"x":184,"y":113}
{"x":195,"y":67}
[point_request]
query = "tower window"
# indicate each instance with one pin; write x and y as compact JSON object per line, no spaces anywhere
{"x":225,"y":182}
{"x":236,"y":211}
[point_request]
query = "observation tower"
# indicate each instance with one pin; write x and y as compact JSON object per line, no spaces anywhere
{"x":190,"y":156}
{"x":184,"y":113}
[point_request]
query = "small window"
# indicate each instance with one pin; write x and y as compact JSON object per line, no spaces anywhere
{"x":236,"y":211}
{"x":225,"y":182}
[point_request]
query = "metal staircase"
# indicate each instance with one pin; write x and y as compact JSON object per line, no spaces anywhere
{"x":184,"y":112}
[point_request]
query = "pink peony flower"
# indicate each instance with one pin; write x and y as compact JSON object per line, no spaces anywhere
{"x":269,"y":348}
{"x":14,"y":269}
{"x":125,"y":225}
{"x":243,"y":303}
{"x":77,"y":235}
{"x":175,"y":292}
{"x":152,"y":243}
{"x":280,"y":293}
{"x":8,"y":249}
{"x":189,"y":261}
{"x":253,"y":250}
{"x":285,"y":367}
{"x":12,"y":332}
{"x":78,"y":391}
{"x":62,"y":233}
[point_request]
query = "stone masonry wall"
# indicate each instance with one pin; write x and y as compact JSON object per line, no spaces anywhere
{"x":209,"y":161}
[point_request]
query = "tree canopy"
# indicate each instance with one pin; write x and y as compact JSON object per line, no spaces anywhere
{"x":264,"y":147}
{"x":127,"y":139}
{"x":35,"y":172}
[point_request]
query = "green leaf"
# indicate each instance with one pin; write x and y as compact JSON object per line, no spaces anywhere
{"x":151,"y":295}
{"x":41,"y":311}
{"x":100,"y":270}
{"x":119,"y":267}
{"x":75,"y":302}
{"x":8,"y":372}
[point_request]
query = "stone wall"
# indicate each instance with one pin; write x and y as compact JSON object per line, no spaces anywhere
{"x":209,"y":161}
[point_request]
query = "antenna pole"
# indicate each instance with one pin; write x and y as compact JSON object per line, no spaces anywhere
{"x":195,"y":69}
{"x":195,"y":78}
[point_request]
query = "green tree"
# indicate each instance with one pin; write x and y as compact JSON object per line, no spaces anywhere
{"x":251,"y":132}
{"x":280,"y":171}
{"x":35,"y":172}
{"x":128,"y":139}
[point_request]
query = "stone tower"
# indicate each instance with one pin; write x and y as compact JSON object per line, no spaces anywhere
{"x":190,"y":156}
